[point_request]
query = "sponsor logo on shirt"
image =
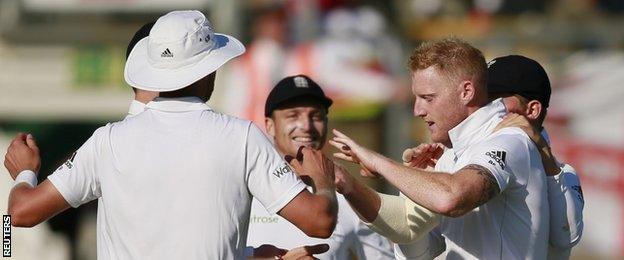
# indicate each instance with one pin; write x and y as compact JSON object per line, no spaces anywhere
{"x":263,"y":219}
{"x":279,"y":172}
{"x":69,"y":163}
{"x":498,"y":157}
{"x":579,"y":192}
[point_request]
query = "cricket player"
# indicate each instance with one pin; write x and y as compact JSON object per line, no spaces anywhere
{"x":142,"y":97}
{"x":296,"y":115}
{"x":491,"y":201}
{"x":176,"y":180}
{"x":524,"y":87}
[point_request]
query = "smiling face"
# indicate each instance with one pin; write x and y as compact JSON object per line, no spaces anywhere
{"x":438,"y":102}
{"x":298,"y":122}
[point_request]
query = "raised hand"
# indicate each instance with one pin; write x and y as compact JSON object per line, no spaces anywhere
{"x":519,"y":121}
{"x":551,"y":166}
{"x":22,"y":154}
{"x":312,"y":166}
{"x":351,"y":151}
{"x":424,"y":156}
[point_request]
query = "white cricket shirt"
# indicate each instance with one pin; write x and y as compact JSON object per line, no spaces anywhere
{"x":350,"y":234}
{"x":566,"y":215}
{"x":136,"y":107}
{"x":515,"y":223}
{"x":176,"y":182}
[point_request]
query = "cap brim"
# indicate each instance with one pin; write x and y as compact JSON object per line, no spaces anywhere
{"x":140,"y":74}
{"x":326,"y":101}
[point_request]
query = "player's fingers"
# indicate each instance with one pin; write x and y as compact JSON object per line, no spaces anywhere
{"x":6,"y":161}
{"x":296,"y":165}
{"x":437,"y":153}
{"x":316,"y":249}
{"x":32,"y":144}
{"x":20,"y":136}
{"x":344,"y":157}
{"x":288,"y":158}
{"x":19,"y":139}
{"x":407,"y":155}
{"x":344,"y":141}
{"x":339,"y":134}
{"x":366,"y":173}
{"x":432,"y":162}
{"x":431,"y":148}
{"x":299,"y":155}
{"x":340,"y":146}
{"x":419,"y":157}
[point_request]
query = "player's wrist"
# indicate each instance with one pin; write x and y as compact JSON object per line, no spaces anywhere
{"x":26,"y":176}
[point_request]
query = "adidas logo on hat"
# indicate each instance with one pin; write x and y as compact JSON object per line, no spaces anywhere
{"x":199,"y":51}
{"x":166,"y":54}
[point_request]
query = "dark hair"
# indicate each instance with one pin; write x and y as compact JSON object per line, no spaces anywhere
{"x":139,"y":35}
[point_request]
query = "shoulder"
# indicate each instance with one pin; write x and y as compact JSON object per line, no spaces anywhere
{"x":509,"y":136}
{"x":510,"y":140}
{"x":102,"y":133}
{"x":506,"y":150}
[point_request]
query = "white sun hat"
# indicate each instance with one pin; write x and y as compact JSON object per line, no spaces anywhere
{"x":181,"y":48}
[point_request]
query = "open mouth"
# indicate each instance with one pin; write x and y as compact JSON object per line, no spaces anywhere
{"x":430,"y":125}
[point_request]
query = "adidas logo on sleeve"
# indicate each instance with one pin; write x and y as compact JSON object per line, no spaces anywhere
{"x":498,"y":157}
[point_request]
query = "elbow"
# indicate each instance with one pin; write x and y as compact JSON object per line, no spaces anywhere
{"x":323,"y":227}
{"x":323,"y":223}
{"x":449,"y":205}
{"x":20,"y":217}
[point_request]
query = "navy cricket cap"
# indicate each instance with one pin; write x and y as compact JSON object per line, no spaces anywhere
{"x":294,"y":87}
{"x":139,"y":35}
{"x":520,"y":75}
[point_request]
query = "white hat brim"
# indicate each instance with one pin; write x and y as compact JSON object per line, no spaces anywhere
{"x":140,"y":74}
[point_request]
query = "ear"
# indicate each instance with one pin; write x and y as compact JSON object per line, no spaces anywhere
{"x":467,"y":92}
{"x":533,"y":110}
{"x":270,"y":126}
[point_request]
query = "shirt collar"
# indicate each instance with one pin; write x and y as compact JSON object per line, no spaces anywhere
{"x":476,"y":126}
{"x":183,"y":104}
{"x":136,"y":107}
{"x":546,"y":136}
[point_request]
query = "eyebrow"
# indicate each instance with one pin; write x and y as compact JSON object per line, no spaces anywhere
{"x":427,"y":95}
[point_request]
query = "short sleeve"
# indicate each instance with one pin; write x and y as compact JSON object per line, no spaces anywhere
{"x":270,"y":178}
{"x":495,"y":154}
{"x":77,"y":178}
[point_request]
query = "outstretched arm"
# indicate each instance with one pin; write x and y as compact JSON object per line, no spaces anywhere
{"x":443,"y":193}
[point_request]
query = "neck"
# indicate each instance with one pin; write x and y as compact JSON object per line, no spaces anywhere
{"x":145,"y":96}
